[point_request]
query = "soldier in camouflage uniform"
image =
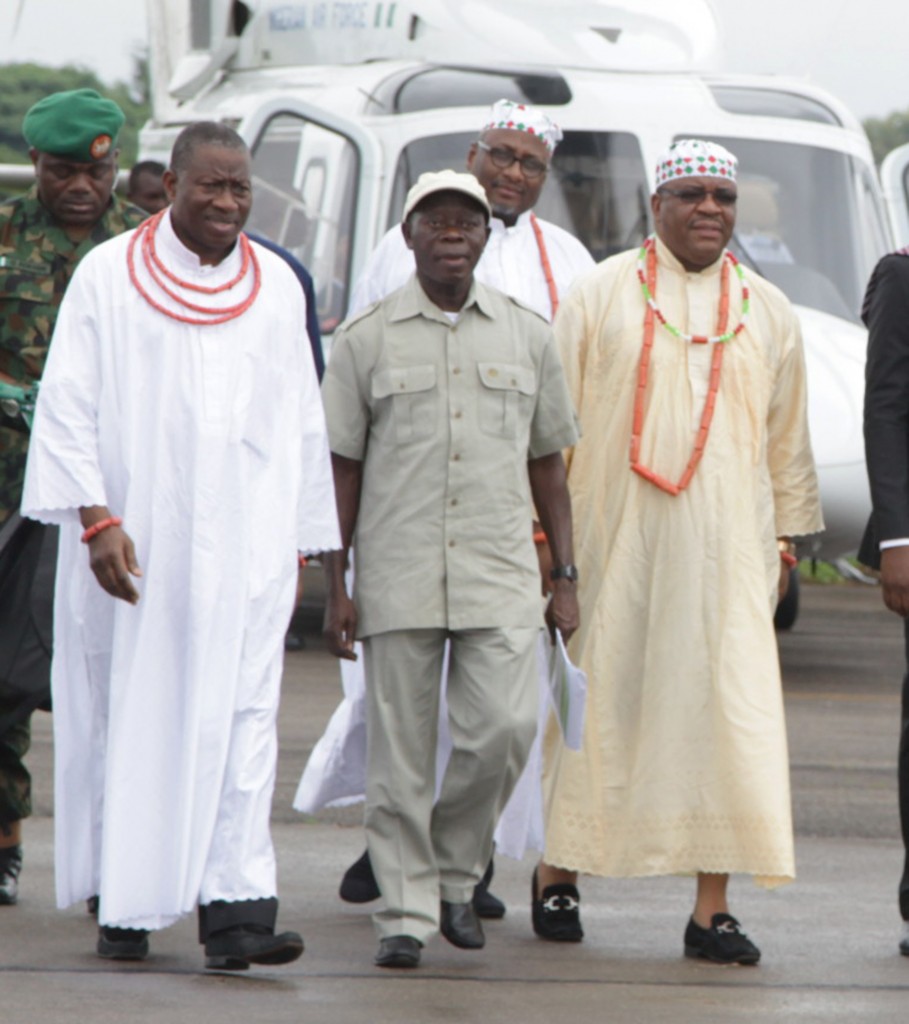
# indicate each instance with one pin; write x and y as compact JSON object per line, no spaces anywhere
{"x":43,"y":235}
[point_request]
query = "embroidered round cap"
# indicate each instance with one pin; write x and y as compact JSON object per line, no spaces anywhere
{"x":79,"y":125}
{"x":445,"y":181}
{"x":695,"y":158}
{"x":520,"y":117}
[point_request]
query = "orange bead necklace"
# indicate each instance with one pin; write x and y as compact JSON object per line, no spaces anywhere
{"x":144,"y":238}
{"x":547,"y":266}
{"x":643,"y":369}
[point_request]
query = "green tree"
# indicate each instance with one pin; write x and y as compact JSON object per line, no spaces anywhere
{"x":22,"y":85}
{"x":886,"y":133}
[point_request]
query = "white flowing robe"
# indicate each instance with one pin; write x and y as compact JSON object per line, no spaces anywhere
{"x":210,"y":443}
{"x":684,"y":766}
{"x":336,"y":771}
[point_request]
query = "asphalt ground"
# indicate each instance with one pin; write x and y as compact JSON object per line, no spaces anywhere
{"x":829,"y":940}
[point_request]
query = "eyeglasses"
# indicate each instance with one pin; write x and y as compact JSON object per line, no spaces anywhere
{"x":695,"y":195}
{"x":502,"y":158}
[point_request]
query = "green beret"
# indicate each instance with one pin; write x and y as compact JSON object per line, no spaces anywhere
{"x":79,"y":125}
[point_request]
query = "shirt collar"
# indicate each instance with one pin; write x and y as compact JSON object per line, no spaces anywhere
{"x":411,"y":301}
{"x":185,"y":260}
{"x":666,"y":258}
{"x":498,"y":227}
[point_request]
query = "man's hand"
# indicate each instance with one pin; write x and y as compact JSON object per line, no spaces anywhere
{"x":562,"y":612}
{"x":340,"y":625}
{"x":895,"y":579}
{"x":112,"y":558}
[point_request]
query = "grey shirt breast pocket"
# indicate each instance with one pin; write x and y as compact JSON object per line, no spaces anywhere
{"x":408,"y":396}
{"x":506,"y":397}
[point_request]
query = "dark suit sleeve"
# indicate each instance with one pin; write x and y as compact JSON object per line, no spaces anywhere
{"x":886,"y":313}
{"x":312,"y":322}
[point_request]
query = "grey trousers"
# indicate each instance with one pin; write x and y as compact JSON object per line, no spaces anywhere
{"x":422,"y":853}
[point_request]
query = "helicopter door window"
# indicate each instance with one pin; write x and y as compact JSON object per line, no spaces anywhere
{"x":304,"y":198}
{"x":596,"y":188}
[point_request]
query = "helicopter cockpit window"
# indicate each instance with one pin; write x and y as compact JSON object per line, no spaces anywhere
{"x":302,"y":207}
{"x":596,"y":189}
{"x":807,"y":221}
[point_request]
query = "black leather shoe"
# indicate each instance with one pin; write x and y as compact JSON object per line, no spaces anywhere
{"x":904,"y":940}
{"x":723,"y":942}
{"x":122,"y":943}
{"x":556,"y":912}
{"x":10,"y":866}
{"x":359,"y":883}
{"x":234,"y":949}
{"x":485,"y":904}
{"x":398,"y":951}
{"x":91,"y":905}
{"x":460,"y":924}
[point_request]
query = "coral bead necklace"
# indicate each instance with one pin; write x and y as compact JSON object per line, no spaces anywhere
{"x":144,"y":239}
{"x":546,"y":265}
{"x":647,"y":274}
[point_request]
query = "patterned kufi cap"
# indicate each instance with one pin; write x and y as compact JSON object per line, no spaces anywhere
{"x":78,"y":125}
{"x":697,"y":159}
{"x":519,"y":117}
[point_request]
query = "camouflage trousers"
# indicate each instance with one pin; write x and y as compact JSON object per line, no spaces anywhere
{"x":15,"y":781}
{"x":13,"y":453}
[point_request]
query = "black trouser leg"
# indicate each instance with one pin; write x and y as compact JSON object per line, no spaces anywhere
{"x":903,"y":781}
{"x":220,"y":915}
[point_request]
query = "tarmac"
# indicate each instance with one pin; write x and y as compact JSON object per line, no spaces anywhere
{"x":829,"y":941}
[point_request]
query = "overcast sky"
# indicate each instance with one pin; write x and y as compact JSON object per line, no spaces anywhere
{"x":856,"y":50}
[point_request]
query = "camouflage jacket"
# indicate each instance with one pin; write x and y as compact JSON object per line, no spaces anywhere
{"x":37,"y":261}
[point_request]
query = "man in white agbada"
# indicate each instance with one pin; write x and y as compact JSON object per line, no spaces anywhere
{"x":693,"y":474}
{"x":180,"y":430}
{"x":535,"y":262}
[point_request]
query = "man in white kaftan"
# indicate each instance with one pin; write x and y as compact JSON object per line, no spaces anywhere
{"x":207,"y":440}
{"x":511,"y":164}
{"x":684,"y":766}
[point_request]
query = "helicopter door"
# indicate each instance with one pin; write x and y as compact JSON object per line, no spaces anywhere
{"x":314,"y":192}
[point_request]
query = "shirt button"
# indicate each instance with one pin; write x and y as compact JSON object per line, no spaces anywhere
{"x":456,"y":457}
{"x":456,"y":369}
{"x":454,"y":502}
{"x":451,"y":543}
{"x":457,"y":414}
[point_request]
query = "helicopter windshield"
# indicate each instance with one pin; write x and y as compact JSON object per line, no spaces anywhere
{"x":809,"y":221}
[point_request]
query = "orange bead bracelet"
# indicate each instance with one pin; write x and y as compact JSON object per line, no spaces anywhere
{"x":99,"y":527}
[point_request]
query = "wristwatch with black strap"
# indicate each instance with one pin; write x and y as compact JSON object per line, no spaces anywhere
{"x":564,"y":572}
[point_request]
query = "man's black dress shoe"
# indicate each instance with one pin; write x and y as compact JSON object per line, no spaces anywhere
{"x":359,"y":886}
{"x":235,"y":948}
{"x":485,"y":904}
{"x":556,"y":912}
{"x":723,"y":942}
{"x":398,"y":951}
{"x":122,"y":943}
{"x":904,"y":939}
{"x":359,"y":883}
{"x":460,"y":924}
